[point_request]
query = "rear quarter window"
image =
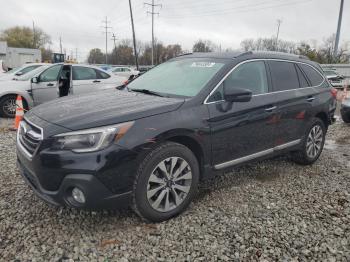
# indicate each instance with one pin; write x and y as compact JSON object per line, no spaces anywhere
{"x":312,"y":74}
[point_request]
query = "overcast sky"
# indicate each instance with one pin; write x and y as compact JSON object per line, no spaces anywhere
{"x":225,"y":22}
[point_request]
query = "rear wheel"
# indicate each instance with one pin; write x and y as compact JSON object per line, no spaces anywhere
{"x":312,"y":145}
{"x":166,"y":182}
{"x":8,"y":106}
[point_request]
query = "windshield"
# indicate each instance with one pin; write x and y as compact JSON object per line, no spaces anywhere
{"x":32,"y":73}
{"x":14,"y":70}
{"x":185,"y":77}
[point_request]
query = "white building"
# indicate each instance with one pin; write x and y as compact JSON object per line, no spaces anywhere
{"x":14,"y":57}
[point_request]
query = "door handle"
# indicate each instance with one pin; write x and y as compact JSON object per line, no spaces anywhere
{"x":96,"y":81}
{"x":50,"y":84}
{"x":310,"y":99}
{"x":270,"y":109}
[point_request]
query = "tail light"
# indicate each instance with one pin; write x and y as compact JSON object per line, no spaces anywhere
{"x":334,"y":92}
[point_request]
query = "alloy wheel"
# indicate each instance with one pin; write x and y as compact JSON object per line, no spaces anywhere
{"x":169,"y":184}
{"x":314,"y":142}
{"x":9,"y":106}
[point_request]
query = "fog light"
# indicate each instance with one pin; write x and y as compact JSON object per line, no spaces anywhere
{"x":78,"y":195}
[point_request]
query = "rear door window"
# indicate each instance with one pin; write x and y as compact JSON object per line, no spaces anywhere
{"x":84,"y":73}
{"x":102,"y":75}
{"x":314,"y":76}
{"x":284,"y":75}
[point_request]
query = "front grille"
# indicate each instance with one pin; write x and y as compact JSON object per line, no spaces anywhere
{"x":29,"y":137}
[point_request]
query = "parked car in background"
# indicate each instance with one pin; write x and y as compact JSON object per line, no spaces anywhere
{"x":127,"y":72}
{"x":19,"y":71}
{"x":144,"y":69}
{"x":334,"y":78}
{"x":52,"y":81}
{"x":182,"y":122}
{"x":345,"y":109}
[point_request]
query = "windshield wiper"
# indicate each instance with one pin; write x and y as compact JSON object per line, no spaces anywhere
{"x":146,"y":91}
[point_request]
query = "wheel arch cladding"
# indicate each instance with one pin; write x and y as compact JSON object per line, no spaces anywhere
{"x":192,"y":145}
{"x":323,"y":116}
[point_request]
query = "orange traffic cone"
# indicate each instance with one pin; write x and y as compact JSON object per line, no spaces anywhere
{"x":19,"y":112}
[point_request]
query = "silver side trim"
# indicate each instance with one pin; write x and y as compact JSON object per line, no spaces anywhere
{"x":244,"y":159}
{"x":290,"y":144}
{"x":256,"y":155}
{"x":269,"y":93}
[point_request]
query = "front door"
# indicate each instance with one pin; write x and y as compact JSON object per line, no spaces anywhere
{"x":46,"y":88}
{"x":242,"y":131}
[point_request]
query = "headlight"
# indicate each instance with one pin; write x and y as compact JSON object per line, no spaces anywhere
{"x":90,"y":140}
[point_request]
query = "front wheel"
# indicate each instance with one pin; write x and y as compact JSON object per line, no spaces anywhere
{"x":8,"y":106}
{"x":166,"y":182}
{"x":312,"y":144}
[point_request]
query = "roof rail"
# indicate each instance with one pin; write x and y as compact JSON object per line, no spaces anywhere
{"x":282,"y":54}
{"x":189,"y":53}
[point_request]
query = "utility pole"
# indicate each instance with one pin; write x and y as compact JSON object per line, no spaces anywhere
{"x":34,"y":42}
{"x":60,"y":45}
{"x":152,"y":5}
{"x":114,"y":38}
{"x":336,"y":45}
{"x":106,"y":27}
{"x":279,"y":22}
{"x":133,"y":36}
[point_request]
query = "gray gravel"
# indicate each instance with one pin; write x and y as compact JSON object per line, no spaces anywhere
{"x":272,"y":210}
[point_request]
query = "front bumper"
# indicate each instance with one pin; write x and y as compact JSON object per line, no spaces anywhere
{"x":97,"y":195}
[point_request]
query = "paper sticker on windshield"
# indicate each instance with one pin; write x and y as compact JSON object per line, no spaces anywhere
{"x":202,"y":64}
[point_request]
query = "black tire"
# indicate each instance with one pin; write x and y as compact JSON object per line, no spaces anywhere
{"x":345,"y":117}
{"x":301,"y":156}
{"x":4,"y":103}
{"x":172,"y":152}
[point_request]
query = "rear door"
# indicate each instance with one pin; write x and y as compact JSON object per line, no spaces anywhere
{"x":84,"y":79}
{"x":293,"y":99}
{"x":242,"y":131}
{"x":47,"y":87}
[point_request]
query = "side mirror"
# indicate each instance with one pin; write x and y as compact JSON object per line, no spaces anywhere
{"x":237,"y":94}
{"x":35,"y":80}
{"x":19,"y":74}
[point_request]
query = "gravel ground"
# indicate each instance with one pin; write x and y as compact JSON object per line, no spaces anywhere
{"x":272,"y":210}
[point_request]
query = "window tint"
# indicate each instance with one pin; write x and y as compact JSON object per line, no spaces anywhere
{"x":284,"y":75}
{"x":51,"y":74}
{"x":302,"y":80}
{"x":315,"y":78}
{"x":102,"y":75}
{"x":84,"y":73}
{"x":251,"y":75}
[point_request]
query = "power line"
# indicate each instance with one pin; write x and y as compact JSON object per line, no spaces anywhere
{"x":245,"y":9}
{"x":152,"y":5}
{"x":106,"y":27}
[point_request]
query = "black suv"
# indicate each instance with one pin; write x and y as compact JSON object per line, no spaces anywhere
{"x":149,"y":146}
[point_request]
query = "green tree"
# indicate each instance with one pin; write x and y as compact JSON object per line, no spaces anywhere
{"x":96,"y":56}
{"x":203,"y":46}
{"x":24,"y":37}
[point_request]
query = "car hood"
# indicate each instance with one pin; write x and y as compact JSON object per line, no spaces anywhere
{"x":102,"y":108}
{"x":14,"y":85}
